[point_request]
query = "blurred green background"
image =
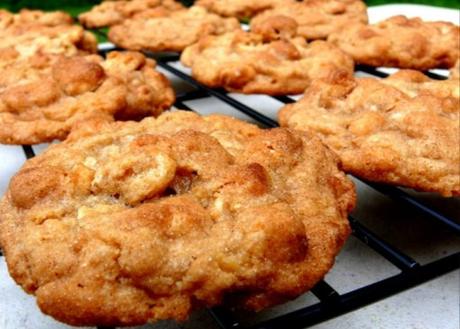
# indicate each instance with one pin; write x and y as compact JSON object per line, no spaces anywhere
{"x":77,"y":6}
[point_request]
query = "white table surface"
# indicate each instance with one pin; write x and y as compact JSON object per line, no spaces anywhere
{"x":432,"y":305}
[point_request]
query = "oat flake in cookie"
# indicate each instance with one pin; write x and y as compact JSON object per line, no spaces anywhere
{"x":270,"y":60}
{"x":43,"y":96}
{"x":130,"y":222}
{"x":240,"y":8}
{"x":402,"y":130}
{"x":401,"y":42}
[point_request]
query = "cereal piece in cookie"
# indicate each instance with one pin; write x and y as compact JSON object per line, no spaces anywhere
{"x":110,"y":13}
{"x":172,"y":32}
{"x":316,"y":19}
{"x":402,"y":130}
{"x":273,"y":61}
{"x":401,"y":42}
{"x":130,"y":222}
{"x":43,"y":96}
{"x":239,"y":8}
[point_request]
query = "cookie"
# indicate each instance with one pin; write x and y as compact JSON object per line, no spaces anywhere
{"x":273,"y":61}
{"x":33,"y":17}
{"x":402,"y":130}
{"x":110,"y":13}
{"x":173,"y":32}
{"x":401,"y":42}
{"x":131,"y":222}
{"x":239,"y":8}
{"x":43,"y":96}
{"x":317,"y":19}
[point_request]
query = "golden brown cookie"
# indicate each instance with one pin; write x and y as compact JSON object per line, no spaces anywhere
{"x":109,"y":13}
{"x":33,"y":17}
{"x":43,"y":96}
{"x":402,"y":130}
{"x":239,"y":8}
{"x":172,"y":32}
{"x":274,"y":61}
{"x":401,"y":42}
{"x":131,"y":222}
{"x":317,"y":19}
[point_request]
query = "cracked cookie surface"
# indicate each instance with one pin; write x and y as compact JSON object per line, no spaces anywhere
{"x":110,"y":13}
{"x":402,"y":130}
{"x":172,"y":32}
{"x":401,"y":42}
{"x":317,"y":19}
{"x":129,"y":222}
{"x":272,"y":61}
{"x":41,"y":97}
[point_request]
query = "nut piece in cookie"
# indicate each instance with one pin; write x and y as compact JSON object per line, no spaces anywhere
{"x":316,"y":19}
{"x":239,"y":8}
{"x":172,"y":32}
{"x":129,"y":222}
{"x":109,"y":13}
{"x":401,"y":42}
{"x":41,"y":97}
{"x":402,"y":130}
{"x":272,"y":61}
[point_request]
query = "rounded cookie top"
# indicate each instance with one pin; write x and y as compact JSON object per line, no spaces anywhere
{"x":109,"y":13}
{"x":272,"y":61}
{"x":172,"y":32}
{"x":33,"y":17}
{"x":401,"y":42}
{"x":41,"y":97}
{"x":129,"y":222}
{"x":316,"y":19}
{"x":239,"y":8}
{"x":401,"y":130}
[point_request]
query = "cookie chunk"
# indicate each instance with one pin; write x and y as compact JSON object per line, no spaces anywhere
{"x":402,"y":130}
{"x":43,"y":96}
{"x":317,"y":19}
{"x":401,"y":42}
{"x":131,"y":222}
{"x":239,"y":8}
{"x":173,"y":32}
{"x":273,"y":61}
{"x":109,"y":13}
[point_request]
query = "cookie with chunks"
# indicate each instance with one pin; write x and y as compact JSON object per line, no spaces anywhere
{"x":402,"y":130}
{"x":130,"y":222}
{"x":317,"y":19}
{"x":172,"y":32}
{"x":273,"y":61}
{"x":43,"y":96}
{"x":239,"y":8}
{"x":401,"y":42}
{"x":33,"y":17}
{"x":110,"y":13}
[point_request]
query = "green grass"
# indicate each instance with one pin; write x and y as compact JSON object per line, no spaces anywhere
{"x":76,"y":6}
